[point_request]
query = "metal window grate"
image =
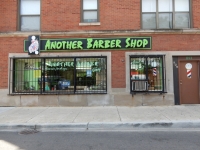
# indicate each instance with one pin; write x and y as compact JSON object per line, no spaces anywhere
{"x":75,"y":75}
{"x":147,"y":73}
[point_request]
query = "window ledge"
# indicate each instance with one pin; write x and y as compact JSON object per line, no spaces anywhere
{"x":97,"y":32}
{"x":90,"y":24}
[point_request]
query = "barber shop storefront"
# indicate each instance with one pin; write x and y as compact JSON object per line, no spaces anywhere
{"x":88,"y":55}
{"x":84,"y":72}
{"x":70,"y":75}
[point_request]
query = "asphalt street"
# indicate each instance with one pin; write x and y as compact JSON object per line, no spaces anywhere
{"x":102,"y":140}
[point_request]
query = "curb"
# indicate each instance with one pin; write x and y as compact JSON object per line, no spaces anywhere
{"x":62,"y":126}
{"x":16,"y":127}
{"x":99,"y":126}
{"x":143,"y":125}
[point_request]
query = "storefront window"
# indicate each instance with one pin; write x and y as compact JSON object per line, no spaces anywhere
{"x":90,"y":74}
{"x":26,"y":73}
{"x":59,"y":75}
{"x":147,"y":73}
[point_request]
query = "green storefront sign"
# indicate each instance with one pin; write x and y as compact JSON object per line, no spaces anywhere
{"x":132,"y":43}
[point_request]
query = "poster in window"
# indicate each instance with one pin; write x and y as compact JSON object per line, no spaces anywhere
{"x":34,"y":45}
{"x":88,"y":73}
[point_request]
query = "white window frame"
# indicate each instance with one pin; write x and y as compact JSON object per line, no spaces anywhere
{"x":29,"y":12}
{"x":171,"y":12}
{"x":86,"y":9}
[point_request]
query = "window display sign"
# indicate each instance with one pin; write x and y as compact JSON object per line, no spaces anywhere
{"x":132,"y":43}
{"x":33,"y":45}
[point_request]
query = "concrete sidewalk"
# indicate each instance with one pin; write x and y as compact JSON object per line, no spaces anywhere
{"x":99,"y":118}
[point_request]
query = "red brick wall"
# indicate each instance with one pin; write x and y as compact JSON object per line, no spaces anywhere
{"x":114,"y":15}
{"x":118,"y":69}
{"x":196,"y":13}
{"x":8,"y":15}
{"x":64,"y":15}
{"x":60,"y":15}
{"x":8,"y":45}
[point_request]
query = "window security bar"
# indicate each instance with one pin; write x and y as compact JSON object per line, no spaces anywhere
{"x":70,"y":75}
{"x":147,"y":74}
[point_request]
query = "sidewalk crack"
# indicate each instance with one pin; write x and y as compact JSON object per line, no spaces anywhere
{"x":119,"y":115}
{"x":37,"y":114}
{"x":78,"y":114}
{"x":162,"y":114}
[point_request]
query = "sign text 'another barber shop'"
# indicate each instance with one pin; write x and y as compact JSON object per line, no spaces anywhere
{"x":134,"y":43}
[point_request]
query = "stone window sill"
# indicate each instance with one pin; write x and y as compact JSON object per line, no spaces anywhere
{"x":90,"y":24}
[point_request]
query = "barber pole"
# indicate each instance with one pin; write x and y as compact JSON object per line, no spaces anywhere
{"x":188,"y":67}
{"x":154,"y":72}
{"x":189,"y":74}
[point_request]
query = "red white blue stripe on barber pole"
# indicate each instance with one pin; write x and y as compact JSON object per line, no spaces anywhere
{"x":154,"y":72}
{"x":189,"y":74}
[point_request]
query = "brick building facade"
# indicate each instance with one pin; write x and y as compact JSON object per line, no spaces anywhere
{"x":174,"y":42}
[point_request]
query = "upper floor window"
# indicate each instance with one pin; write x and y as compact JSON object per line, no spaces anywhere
{"x":30,"y":15}
{"x":90,"y":11}
{"x":165,"y":14}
